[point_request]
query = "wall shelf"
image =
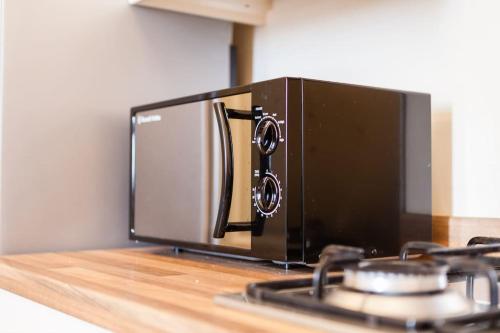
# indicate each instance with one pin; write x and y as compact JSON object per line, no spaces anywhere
{"x":252,"y":12}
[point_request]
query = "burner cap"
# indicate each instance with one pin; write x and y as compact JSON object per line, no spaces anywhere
{"x":396,"y":277}
{"x":410,"y":308}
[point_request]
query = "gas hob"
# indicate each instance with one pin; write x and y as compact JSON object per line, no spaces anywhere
{"x":430,"y":288}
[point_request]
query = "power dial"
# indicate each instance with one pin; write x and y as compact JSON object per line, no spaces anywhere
{"x":267,"y":135}
{"x":267,"y":194}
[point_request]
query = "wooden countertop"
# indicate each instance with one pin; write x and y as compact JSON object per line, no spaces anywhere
{"x":143,"y":290}
{"x":155,"y":290}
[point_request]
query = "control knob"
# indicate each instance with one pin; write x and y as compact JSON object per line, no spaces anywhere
{"x":267,"y":135}
{"x":267,"y":194}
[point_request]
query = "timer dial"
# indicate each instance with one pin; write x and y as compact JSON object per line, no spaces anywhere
{"x":267,"y":135}
{"x":267,"y":194}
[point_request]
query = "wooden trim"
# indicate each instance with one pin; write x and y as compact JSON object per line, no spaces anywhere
{"x":243,"y":41}
{"x":440,"y":230}
{"x":252,"y":12}
{"x":456,"y":231}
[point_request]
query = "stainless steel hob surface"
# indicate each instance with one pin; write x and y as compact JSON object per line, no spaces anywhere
{"x":430,"y":288}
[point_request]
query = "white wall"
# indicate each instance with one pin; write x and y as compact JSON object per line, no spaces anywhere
{"x":72,"y":71}
{"x":448,"y":48}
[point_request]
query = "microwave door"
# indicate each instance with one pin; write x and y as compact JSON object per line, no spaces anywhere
{"x":177,"y":173}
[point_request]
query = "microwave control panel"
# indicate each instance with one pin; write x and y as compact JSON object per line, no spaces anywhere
{"x":267,"y":193}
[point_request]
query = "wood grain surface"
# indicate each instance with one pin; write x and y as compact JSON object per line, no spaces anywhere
{"x":143,"y":290}
{"x":154,"y":289}
{"x":456,"y":231}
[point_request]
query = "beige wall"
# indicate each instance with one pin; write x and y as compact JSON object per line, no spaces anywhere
{"x":448,"y":48}
{"x":72,"y":71}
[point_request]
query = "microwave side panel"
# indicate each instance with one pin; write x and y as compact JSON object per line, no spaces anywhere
{"x":352,"y":150}
{"x":416,"y":206}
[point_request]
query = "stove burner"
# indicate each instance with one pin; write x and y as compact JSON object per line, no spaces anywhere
{"x":406,"y":307}
{"x":396,"y":277}
{"x":410,"y":294}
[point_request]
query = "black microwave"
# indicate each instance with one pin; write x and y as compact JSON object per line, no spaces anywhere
{"x":279,"y":169}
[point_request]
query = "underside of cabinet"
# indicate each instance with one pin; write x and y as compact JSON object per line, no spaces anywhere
{"x":252,"y":12}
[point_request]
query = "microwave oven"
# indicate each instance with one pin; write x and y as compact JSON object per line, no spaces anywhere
{"x":279,"y":169}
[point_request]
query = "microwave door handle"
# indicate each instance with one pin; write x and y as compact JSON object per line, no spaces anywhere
{"x":227,"y":170}
{"x":221,"y":224}
{"x":238,"y":114}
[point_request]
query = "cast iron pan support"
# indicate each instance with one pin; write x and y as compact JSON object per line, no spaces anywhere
{"x":472,"y":242}
{"x":483,"y":241}
{"x":456,"y":263}
{"x":333,"y":256}
{"x":416,"y":247}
